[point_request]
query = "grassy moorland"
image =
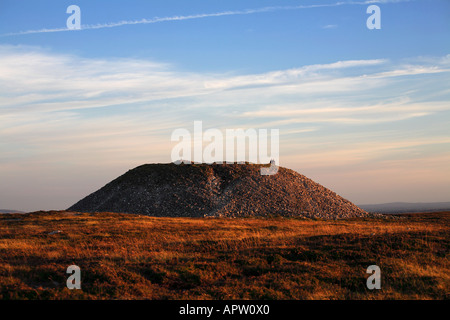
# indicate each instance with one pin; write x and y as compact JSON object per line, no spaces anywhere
{"x":124,"y":256}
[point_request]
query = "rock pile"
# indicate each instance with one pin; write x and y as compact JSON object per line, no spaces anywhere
{"x":217,"y":190}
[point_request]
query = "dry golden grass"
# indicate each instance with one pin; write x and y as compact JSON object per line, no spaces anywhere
{"x":125,"y":256}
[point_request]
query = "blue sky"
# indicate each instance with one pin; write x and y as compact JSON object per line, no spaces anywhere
{"x":364,"y":112}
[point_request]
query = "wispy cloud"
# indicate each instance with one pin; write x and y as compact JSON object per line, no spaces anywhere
{"x":201,"y":16}
{"x":291,"y":75}
{"x":32,"y":80}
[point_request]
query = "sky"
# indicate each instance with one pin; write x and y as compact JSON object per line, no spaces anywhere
{"x":364,"y":112}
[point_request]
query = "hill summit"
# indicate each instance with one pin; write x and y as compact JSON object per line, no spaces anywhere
{"x":217,"y":190}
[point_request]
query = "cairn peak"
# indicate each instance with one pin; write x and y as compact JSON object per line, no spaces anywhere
{"x":217,"y":190}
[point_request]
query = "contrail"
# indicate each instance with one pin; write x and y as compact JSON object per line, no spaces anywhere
{"x":198,"y":16}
